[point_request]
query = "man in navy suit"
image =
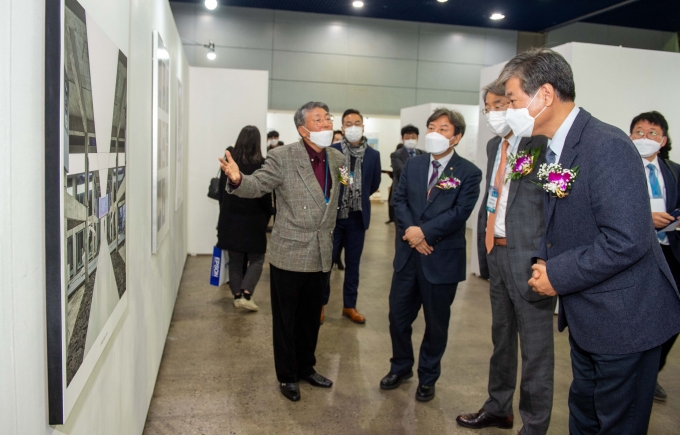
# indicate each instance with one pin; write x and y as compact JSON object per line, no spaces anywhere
{"x":649,"y":132}
{"x":600,"y":252}
{"x":354,"y":208}
{"x":433,"y":200}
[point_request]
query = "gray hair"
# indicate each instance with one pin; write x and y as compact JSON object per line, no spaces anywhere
{"x":301,"y":114}
{"x":540,"y":66}
{"x":495,"y":87}
{"x":455,"y":118}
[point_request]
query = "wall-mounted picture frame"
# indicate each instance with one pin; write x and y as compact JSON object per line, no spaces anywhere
{"x":85,"y":190}
{"x":179,"y":147}
{"x":160,"y":171}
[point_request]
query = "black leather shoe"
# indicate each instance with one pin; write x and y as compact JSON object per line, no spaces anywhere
{"x":482,"y":419}
{"x":392,"y":381}
{"x":318,"y":381}
{"x":659,"y":393}
{"x":290,"y":391}
{"x":425,"y":393}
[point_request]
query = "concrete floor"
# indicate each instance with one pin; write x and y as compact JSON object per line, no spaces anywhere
{"x":217,"y":373}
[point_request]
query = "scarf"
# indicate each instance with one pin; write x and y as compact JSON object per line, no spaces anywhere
{"x":351,"y":197}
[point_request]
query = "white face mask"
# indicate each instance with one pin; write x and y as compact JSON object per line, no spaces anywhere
{"x":321,"y":139}
{"x":647,"y":147}
{"x":354,"y":133}
{"x":437,"y":144}
{"x":519,"y":120}
{"x":497,"y":123}
{"x":273,"y":141}
{"x":410,"y":144}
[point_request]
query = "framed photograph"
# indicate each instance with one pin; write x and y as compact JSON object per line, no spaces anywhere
{"x":85,"y":190}
{"x":160,"y":172}
{"x":179,"y":144}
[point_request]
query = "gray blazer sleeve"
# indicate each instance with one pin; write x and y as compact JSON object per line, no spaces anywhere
{"x":262,"y":181}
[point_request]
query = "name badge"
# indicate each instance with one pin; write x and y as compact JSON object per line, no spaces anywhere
{"x":351,"y":178}
{"x":492,"y":200}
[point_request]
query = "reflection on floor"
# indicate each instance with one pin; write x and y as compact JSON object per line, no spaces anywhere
{"x":217,"y":374}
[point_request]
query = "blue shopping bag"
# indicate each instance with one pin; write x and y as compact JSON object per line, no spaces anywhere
{"x":219,"y":271}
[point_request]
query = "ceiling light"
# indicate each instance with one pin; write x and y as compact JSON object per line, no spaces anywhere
{"x":497,"y":16}
{"x":211,"y":55}
{"x":211,"y":4}
{"x":358,"y":4}
{"x":442,"y":1}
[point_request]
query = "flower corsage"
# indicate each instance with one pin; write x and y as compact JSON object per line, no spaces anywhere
{"x":557,"y":181}
{"x":522,"y":163}
{"x":446,"y":183}
{"x":343,"y":175}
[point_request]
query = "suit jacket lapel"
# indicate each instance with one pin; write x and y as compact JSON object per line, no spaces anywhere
{"x":569,"y":152}
{"x":670,"y":184}
{"x":448,"y":171}
{"x":308,"y":177}
{"x":525,"y":145}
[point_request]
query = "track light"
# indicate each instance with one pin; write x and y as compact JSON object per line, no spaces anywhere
{"x":497,"y":16}
{"x":358,"y":4}
{"x":211,"y":50}
{"x":211,"y":4}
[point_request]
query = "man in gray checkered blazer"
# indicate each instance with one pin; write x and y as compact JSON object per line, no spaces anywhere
{"x":306,"y":179}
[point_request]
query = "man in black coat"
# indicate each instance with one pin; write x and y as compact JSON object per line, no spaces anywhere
{"x":409,"y":139}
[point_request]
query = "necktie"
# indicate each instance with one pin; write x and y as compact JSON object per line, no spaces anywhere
{"x":491,"y":220}
{"x":656,"y":193}
{"x":550,"y":157}
{"x":435,"y":176}
{"x":411,"y":153}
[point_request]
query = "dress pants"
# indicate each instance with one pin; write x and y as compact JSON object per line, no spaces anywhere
{"x":411,"y":289}
{"x":296,"y":307}
{"x":674,"y":265}
{"x":513,"y":317}
{"x":350,"y":234}
{"x":611,"y":394}
{"x":245,"y":270}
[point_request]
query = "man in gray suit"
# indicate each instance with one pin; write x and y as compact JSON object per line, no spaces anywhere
{"x":306,"y":179}
{"x":510,"y":226}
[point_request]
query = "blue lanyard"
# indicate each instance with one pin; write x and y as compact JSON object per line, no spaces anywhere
{"x":325,"y":185}
{"x":498,"y":160}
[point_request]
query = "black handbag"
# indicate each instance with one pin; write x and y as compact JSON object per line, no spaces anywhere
{"x":214,"y":189}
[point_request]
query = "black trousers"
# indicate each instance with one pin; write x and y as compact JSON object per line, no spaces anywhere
{"x":350,"y":234}
{"x":611,"y":394}
{"x":296,"y":308}
{"x":675,"y":270}
{"x":411,"y":289}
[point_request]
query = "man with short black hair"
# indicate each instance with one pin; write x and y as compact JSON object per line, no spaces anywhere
{"x":272,"y":140}
{"x":649,"y":132}
{"x":354,"y":212}
{"x":434,"y":199}
{"x":600,"y":252}
{"x":409,"y":140}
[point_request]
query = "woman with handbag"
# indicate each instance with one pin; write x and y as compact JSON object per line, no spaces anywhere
{"x":242,"y":225}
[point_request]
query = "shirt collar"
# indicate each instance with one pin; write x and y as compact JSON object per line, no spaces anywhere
{"x":313,"y":154}
{"x":511,"y":142}
{"x":654,"y":162}
{"x":556,"y":144}
{"x":444,"y":160}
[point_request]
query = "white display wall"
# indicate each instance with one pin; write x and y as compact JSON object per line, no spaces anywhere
{"x":614,"y":84}
{"x":222,"y":102}
{"x":116,"y":397}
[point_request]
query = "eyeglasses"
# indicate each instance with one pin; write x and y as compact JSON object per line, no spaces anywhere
{"x":325,"y":120}
{"x":498,"y":107}
{"x":656,"y":137}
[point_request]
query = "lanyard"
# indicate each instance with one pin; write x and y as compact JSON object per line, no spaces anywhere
{"x":498,"y":161}
{"x":325,"y":184}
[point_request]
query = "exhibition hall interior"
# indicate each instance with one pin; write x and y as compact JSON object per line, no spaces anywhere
{"x":308,"y":214}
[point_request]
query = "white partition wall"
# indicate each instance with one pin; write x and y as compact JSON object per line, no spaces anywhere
{"x":614,"y":84}
{"x":222,"y":102}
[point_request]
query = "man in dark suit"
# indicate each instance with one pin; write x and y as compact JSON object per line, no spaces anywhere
{"x":434,"y":199}
{"x":510,"y":226}
{"x":600,"y":252}
{"x":649,"y":132}
{"x":354,"y":208}
{"x":409,"y":139}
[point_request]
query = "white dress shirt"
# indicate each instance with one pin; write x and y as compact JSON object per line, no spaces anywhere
{"x":443,"y":162}
{"x":657,"y":204}
{"x":556,"y":144}
{"x":502,"y":204}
